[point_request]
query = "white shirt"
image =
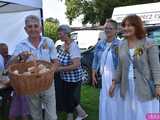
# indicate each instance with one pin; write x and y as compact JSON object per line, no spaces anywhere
{"x":74,"y":50}
{"x":45,"y":51}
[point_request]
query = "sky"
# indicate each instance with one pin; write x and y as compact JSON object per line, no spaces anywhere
{"x":56,"y":9}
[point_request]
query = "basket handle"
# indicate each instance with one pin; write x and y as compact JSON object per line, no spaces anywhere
{"x":35,"y":64}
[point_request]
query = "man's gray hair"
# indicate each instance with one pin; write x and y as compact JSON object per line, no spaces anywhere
{"x":31,"y":18}
{"x":113,"y":22}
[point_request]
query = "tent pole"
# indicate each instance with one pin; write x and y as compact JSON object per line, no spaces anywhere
{"x":41,"y":13}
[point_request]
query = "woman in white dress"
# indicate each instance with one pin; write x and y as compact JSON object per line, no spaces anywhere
{"x":105,"y":61}
{"x":108,"y":106}
{"x":138,"y":67}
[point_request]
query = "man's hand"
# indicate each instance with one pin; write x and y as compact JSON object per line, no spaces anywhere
{"x":55,"y":65}
{"x":24,"y":55}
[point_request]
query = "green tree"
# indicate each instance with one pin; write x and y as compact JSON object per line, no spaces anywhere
{"x":96,"y":11}
{"x":50,"y":28}
{"x":90,"y":13}
{"x":73,"y":9}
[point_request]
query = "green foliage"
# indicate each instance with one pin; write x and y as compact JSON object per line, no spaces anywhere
{"x":50,"y":28}
{"x":96,"y":11}
{"x":90,"y":12}
{"x":73,"y":9}
{"x":90,"y":101}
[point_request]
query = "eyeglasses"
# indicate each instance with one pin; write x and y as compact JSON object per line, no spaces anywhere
{"x":34,"y":26}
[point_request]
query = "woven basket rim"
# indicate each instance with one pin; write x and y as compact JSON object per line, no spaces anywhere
{"x":32,"y":74}
{"x":33,"y":83}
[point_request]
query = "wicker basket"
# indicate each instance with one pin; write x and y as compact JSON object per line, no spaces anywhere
{"x":30,"y":84}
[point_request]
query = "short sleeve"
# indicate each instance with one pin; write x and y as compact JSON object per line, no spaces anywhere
{"x":53,"y":50}
{"x":75,"y":51}
{"x":18,"y":49}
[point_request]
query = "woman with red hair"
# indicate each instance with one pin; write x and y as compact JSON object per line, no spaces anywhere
{"x":138,"y":72}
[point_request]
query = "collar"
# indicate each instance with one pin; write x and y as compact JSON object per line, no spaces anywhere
{"x":115,"y":42}
{"x":140,"y":43}
{"x":29,"y":43}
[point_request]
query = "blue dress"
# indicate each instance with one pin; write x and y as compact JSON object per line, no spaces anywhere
{"x":19,"y":106}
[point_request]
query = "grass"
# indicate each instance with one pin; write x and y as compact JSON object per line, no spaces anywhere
{"x":89,"y":101}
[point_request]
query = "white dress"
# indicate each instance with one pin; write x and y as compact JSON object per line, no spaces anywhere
{"x":133,"y":108}
{"x":107,"y":105}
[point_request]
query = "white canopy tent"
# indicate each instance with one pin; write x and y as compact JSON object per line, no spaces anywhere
{"x":149,"y":13}
{"x":12,"y":16}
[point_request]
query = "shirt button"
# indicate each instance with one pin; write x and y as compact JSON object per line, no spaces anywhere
{"x":134,"y":77}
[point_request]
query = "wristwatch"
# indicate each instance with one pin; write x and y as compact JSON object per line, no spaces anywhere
{"x":19,"y":58}
{"x":5,"y":72}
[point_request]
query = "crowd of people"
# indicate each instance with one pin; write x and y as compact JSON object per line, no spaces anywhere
{"x":128,"y":72}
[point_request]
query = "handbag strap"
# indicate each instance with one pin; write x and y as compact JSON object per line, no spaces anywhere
{"x":138,"y":69}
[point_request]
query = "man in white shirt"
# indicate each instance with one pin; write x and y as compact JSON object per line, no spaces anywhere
{"x":42,"y":48}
